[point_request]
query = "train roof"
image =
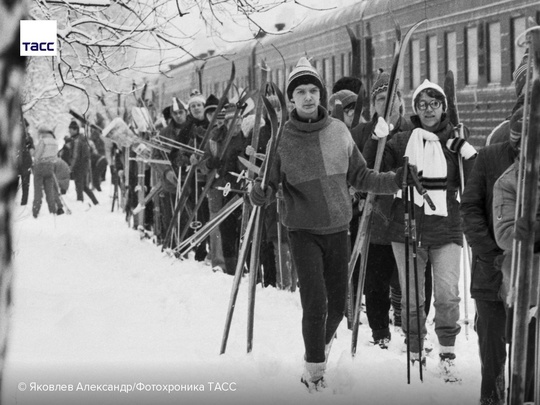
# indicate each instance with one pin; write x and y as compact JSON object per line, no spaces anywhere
{"x":312,"y":25}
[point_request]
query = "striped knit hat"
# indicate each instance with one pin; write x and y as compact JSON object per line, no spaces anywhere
{"x":380,"y":85}
{"x":303,"y":73}
{"x":346,"y":97}
{"x":519,"y":76}
{"x":516,"y":125}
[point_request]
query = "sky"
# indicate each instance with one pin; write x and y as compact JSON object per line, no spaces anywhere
{"x":96,"y":306}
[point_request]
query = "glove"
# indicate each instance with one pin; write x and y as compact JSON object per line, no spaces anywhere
{"x":214,"y":163}
{"x":382,"y":129}
{"x":194,"y":160}
{"x":461,"y":146}
{"x":258,"y":196}
{"x":413,"y":171}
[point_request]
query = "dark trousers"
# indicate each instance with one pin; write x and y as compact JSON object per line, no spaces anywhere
{"x":230,"y":236}
{"x":322,"y":263}
{"x":380,"y":269}
{"x":80,"y":175}
{"x":531,"y":353}
{"x":25,"y":184}
{"x":490,"y":325}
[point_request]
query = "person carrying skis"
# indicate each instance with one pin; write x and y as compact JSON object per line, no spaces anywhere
{"x":487,"y":257}
{"x":506,"y":229}
{"x":381,"y":268}
{"x":433,"y":147}
{"x":315,"y":162}
{"x":80,"y":163}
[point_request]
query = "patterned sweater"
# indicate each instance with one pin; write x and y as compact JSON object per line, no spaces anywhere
{"x":315,"y":162}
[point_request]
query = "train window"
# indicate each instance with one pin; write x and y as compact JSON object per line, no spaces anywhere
{"x":333,"y":78}
{"x":327,"y":73}
{"x":415,"y":64}
{"x":518,"y":26}
{"x":471,"y":55}
{"x":450,"y":44}
{"x":432,"y":59}
{"x":494,"y":53}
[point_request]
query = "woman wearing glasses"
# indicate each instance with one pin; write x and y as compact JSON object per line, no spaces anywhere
{"x":432,"y":146}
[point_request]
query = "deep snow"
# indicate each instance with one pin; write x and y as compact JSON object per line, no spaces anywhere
{"x":97,"y":307}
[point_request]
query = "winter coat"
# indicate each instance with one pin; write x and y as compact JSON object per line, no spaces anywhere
{"x":432,"y":230}
{"x":316,"y":162}
{"x":46,"y":149}
{"x":504,"y":211}
{"x":477,"y":215}
{"x":382,"y":204}
{"x":80,"y":158}
{"x":230,"y":162}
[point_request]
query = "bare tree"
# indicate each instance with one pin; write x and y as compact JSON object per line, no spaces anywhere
{"x":11,"y":78}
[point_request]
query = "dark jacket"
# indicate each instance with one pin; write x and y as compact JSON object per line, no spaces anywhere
{"x":432,"y":230}
{"x":477,"y":215}
{"x":24,"y":154}
{"x":80,"y":158}
{"x":230,"y":162}
{"x":383,"y":203}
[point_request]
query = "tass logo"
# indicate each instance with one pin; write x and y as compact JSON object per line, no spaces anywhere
{"x":38,"y":38}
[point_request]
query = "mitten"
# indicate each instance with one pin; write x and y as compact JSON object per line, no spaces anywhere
{"x":382,"y":128}
{"x":413,"y":171}
{"x":258,"y":196}
{"x":461,"y":146}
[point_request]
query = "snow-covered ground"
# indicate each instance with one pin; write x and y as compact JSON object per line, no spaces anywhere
{"x":98,"y":312}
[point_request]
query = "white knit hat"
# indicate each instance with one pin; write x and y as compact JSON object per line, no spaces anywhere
{"x":196,"y":96}
{"x":424,"y":86}
{"x":303,"y":73}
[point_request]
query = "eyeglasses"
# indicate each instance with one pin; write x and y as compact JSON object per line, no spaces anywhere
{"x":423,"y":105}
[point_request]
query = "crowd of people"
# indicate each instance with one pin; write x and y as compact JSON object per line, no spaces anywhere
{"x":317,"y":188}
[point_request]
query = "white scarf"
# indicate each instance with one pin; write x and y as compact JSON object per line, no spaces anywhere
{"x":430,"y":161}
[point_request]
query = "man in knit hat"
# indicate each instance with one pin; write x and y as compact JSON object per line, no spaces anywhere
{"x":347,"y":100}
{"x":316,"y":161}
{"x":486,"y":276}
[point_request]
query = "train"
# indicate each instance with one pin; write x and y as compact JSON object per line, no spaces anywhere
{"x":476,"y":39}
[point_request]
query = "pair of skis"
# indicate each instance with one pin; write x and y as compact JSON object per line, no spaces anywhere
{"x":186,"y":190}
{"x":361,"y":245}
{"x":523,"y":251}
{"x":213,"y":174}
{"x":466,"y":256}
{"x":253,"y":231}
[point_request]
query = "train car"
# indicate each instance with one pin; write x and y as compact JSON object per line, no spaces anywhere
{"x":473,"y":38}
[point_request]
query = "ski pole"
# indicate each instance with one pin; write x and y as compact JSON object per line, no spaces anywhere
{"x":279,"y":236}
{"x":412,"y":239}
{"x":242,"y":254}
{"x":405,"y":192}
